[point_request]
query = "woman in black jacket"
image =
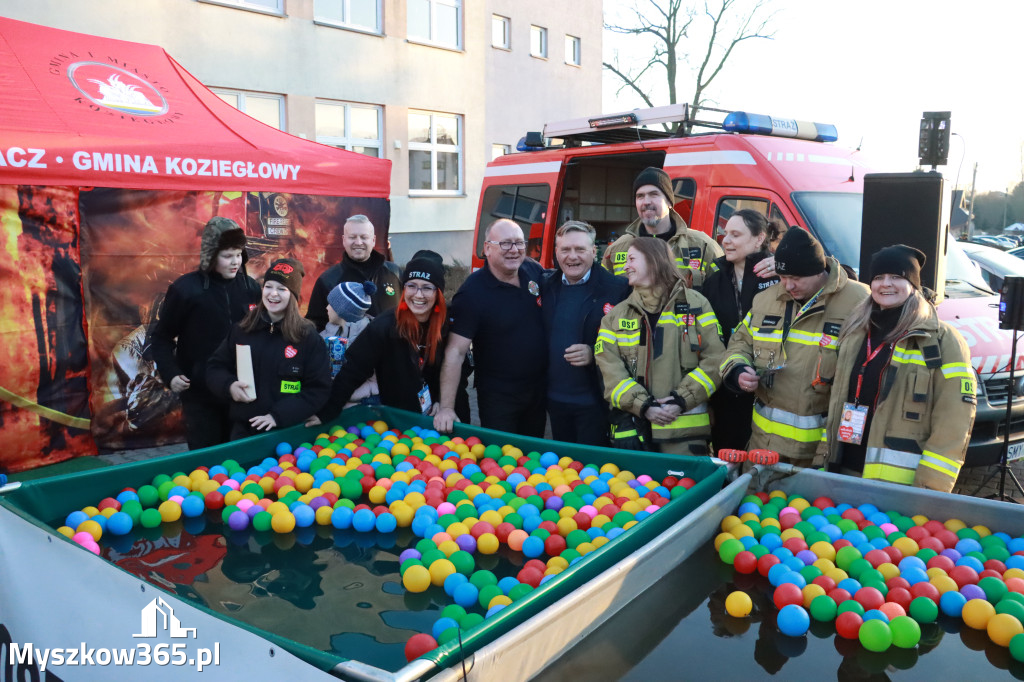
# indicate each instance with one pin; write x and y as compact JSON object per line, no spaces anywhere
{"x":746,"y":269}
{"x":404,"y":346}
{"x":291,"y":369}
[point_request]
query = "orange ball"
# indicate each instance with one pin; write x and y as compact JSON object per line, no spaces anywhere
{"x":892,"y":610}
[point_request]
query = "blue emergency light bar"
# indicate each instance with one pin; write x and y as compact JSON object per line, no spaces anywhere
{"x":759,"y":124}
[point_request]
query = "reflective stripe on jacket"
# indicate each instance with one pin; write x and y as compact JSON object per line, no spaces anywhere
{"x":924,"y":410}
{"x":681,"y":355}
{"x":694,"y":251}
{"x":789,"y":415}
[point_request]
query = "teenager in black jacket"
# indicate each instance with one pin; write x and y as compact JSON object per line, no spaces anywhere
{"x":290,"y":365}
{"x":404,"y":346}
{"x":746,"y":269}
{"x":196,"y":315}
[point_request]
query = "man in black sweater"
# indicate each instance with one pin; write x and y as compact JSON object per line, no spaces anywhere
{"x":574,"y":298}
{"x":360,"y":263}
{"x":196,"y":315}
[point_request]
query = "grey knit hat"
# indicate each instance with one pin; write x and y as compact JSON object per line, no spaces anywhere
{"x":351,"y":300}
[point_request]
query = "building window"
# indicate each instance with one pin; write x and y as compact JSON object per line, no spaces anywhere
{"x":355,"y":127}
{"x":539,"y":42}
{"x":500,"y":150}
{"x":263,"y":107}
{"x":435,"y":153}
{"x":438,"y":22}
{"x":501,"y":32}
{"x":364,"y":15}
{"x":271,"y":6}
{"x":572,"y":50}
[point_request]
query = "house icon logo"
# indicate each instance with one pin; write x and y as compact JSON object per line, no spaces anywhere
{"x":117,"y":89}
{"x":159,"y":615}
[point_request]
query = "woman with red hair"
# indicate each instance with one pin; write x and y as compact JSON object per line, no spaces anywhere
{"x":404,"y":346}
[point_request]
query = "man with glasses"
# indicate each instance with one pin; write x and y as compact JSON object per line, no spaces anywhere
{"x":360,"y":263}
{"x":574,"y":298}
{"x":497,"y":309}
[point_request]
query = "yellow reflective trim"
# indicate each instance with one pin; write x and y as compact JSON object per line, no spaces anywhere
{"x":621,"y":388}
{"x":685,"y":421}
{"x":908,"y":357}
{"x":606,"y":335}
{"x":623,"y":434}
{"x":953,"y":464}
{"x":886,"y":472}
{"x":957,"y":369}
{"x":701,"y":377}
{"x":683,"y":263}
{"x":941,"y":470}
{"x":770,"y":337}
{"x":787,"y":431}
{"x":739,"y":358}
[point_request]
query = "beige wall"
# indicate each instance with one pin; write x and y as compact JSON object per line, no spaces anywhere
{"x":498,"y":93}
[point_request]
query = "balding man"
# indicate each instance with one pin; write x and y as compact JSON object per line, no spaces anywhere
{"x":360,"y":263}
{"x":497,"y":309}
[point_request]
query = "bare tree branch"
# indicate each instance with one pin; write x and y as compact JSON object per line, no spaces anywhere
{"x":631,"y":82}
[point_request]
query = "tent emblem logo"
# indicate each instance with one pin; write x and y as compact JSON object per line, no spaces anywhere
{"x":159,"y":615}
{"x":117,"y":89}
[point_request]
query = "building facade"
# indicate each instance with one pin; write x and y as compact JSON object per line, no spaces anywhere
{"x":439,"y":87}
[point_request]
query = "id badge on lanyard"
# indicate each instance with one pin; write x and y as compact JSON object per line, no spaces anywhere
{"x":425,"y":402}
{"x":855,"y":415}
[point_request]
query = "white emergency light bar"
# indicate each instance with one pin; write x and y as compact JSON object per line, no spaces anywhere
{"x":760,"y":124}
{"x":626,"y":119}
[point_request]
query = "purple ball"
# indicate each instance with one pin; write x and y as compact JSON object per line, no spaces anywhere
{"x":554,"y":502}
{"x":952,"y":554}
{"x":807,"y":556}
{"x":353,"y":429}
{"x":254,"y":510}
{"x":411,"y":553}
{"x":317,"y":502}
{"x":972,"y":592}
{"x":238,"y":520}
{"x":466,"y":542}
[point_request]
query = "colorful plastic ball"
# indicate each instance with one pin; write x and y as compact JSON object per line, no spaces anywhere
{"x":119,"y":523}
{"x":364,"y":520}
{"x":906,"y":632}
{"x":745,"y":562}
{"x":418,"y":645}
{"x":238,"y":520}
{"x":283,"y":522}
{"x":416,"y":578}
{"x":952,"y":604}
{"x":304,"y":515}
{"x":924,"y":610}
{"x":787,"y":593}
{"x":1017,"y":648}
{"x":738,"y":604}
{"x":169,"y":511}
{"x":848,"y":625}
{"x":453,"y":581}
{"x":823,"y":608}
{"x":1002,"y":628}
{"x":892,"y":610}
{"x":150,"y":518}
{"x":466,"y":595}
{"x":386,"y":522}
{"x":793,"y":620}
{"x":875,"y":635}
{"x":977,"y":613}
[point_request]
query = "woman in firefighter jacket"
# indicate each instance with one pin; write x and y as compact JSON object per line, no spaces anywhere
{"x":658,"y":352}
{"x":290,"y":365}
{"x":903,"y":402}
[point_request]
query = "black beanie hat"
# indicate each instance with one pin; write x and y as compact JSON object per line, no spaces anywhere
{"x":658,"y":178}
{"x":902,"y":260}
{"x":427,"y":253}
{"x":799,"y":254}
{"x":426,"y":268}
{"x":288,"y":272}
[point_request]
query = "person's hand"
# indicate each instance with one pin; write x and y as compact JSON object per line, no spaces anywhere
{"x":180,"y":383}
{"x":432,"y":412}
{"x":579,"y":355}
{"x":765,"y":268}
{"x":657,"y":414}
{"x":747,"y":379}
{"x":445,"y":419}
{"x":313,"y":421}
{"x":264,"y":422}
{"x":667,"y":403}
{"x":238,"y":393}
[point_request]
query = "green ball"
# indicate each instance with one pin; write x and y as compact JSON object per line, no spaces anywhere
{"x":148,"y":496}
{"x":906,"y":633}
{"x":261,"y":521}
{"x":465,"y":511}
{"x":463,"y":561}
{"x":482,"y":579}
{"x":453,"y":611}
{"x":753,"y":499}
{"x":998,"y":553}
{"x":810,"y":573}
{"x":1012,"y":607}
{"x":924,"y":610}
{"x":926,"y":555}
{"x":805,"y":528}
{"x":160,"y":479}
{"x":850,"y":605}
{"x":876,"y":636}
{"x":487,"y":593}
{"x":846,"y":556}
{"x":542,"y":533}
{"x":550,"y":515}
{"x":406,"y":564}
{"x":432,"y":555}
{"x":164,"y":489}
{"x":133,"y":508}
{"x":759,"y":551}
{"x":816,"y":536}
{"x":1017,"y":647}
{"x":425,"y":545}
{"x":824,"y":608}
{"x":756,"y":528}
{"x":995,"y":589}
{"x":967,"y":533}
{"x":448,"y":635}
{"x":520,"y":591}
{"x":569,"y":554}
{"x":351,"y":489}
{"x":576,"y":538}
{"x":226,"y":513}
{"x":471,"y":620}
{"x":729,"y":549}
{"x":515,"y":519}
{"x":873,"y":532}
{"x":151,"y":518}
{"x":859,"y":566}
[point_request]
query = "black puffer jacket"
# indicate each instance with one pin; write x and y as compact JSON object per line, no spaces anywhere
{"x":199,"y":309}
{"x":293,"y":381}
{"x":385,"y":274}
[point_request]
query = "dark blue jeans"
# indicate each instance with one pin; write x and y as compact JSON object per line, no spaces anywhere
{"x":583,"y":424}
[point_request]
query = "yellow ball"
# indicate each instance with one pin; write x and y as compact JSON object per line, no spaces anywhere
{"x":954,"y":525}
{"x":599,"y":542}
{"x":66,"y":531}
{"x":983,"y":531}
{"x":888,"y":570}
{"x":501,"y":599}
{"x":403,"y":514}
{"x":729,"y":521}
{"x":276,"y":508}
{"x":380,"y":426}
{"x":837,"y":574}
{"x":977,"y":613}
{"x":184,"y":481}
{"x":558,"y":562}
{"x":282,"y":522}
{"x":566,"y":525}
{"x":824,"y":565}
{"x":919,"y":519}
{"x":586,"y":547}
{"x":449,"y":547}
{"x":824,"y":550}
{"x":944,"y":584}
{"x":811,"y":591}
{"x":738,"y":604}
{"x":323,"y":515}
{"x":936,"y":572}
{"x":231,"y":497}
{"x":907,"y":546}
{"x":609,"y":468}
{"x":791,"y":533}
{"x":377,"y":494}
{"x":799,"y":504}
{"x":170,"y":511}
{"x":416,"y":578}
{"x":1003,"y":627}
{"x":487,"y":543}
{"x":774,"y":523}
{"x":93,"y":528}
{"x":1013,"y":573}
{"x":439,"y":570}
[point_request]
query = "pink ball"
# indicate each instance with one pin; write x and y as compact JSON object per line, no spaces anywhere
{"x":590,"y":510}
{"x":445,"y":508}
{"x":788,"y":510}
{"x":653,"y":508}
{"x":92,"y":547}
{"x":643,"y":478}
{"x":232,"y":483}
{"x":244,"y":504}
{"x":888,"y":528}
{"x":82,"y":537}
{"x":176,"y":498}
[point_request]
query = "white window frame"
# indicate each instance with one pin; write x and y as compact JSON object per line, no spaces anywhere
{"x":347,"y":142}
{"x":434,"y":148}
{"x":506,"y":24}
{"x":251,"y":6}
{"x":344,"y":23}
{"x":576,"y":45}
{"x":498,"y":149}
{"x":241,"y":96}
{"x":432,"y":28}
{"x":543,"y":33}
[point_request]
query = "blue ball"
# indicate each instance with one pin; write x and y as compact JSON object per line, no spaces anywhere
{"x":777,"y":572}
{"x":832,"y":531}
{"x":1015,"y":561}
{"x":507,"y":583}
{"x":747,"y":540}
{"x":533,"y":547}
{"x":1015,"y":545}
{"x":442,"y":624}
{"x":283,"y":449}
{"x":587,"y":471}
{"x":875,"y":614}
{"x":912,"y":562}
{"x":595,"y":532}
{"x":855,"y":537}
{"x":531,"y":523}
{"x":818,"y":521}
{"x":611,"y":534}
{"x":119,"y":523}
{"x":548,"y":459}
{"x":914,"y":575}
{"x":386,"y":522}
{"x":748,"y":508}
{"x":75,"y":519}
{"x":972,"y":562}
{"x":193,"y":506}
{"x":341,"y":517}
{"x":126,"y":495}
{"x":466,"y":594}
{"x":880,"y":543}
{"x":968,"y":545}
{"x":793,"y":620}
{"x":795,"y":578}
{"x":771,"y":541}
{"x":952,"y":603}
{"x":304,"y":516}
{"x":364,"y":520}
{"x":851,"y":585}
{"x":794,"y":563}
{"x":494,"y":609}
{"x":453,"y":581}
{"x":528,"y":509}
{"x":783,"y":553}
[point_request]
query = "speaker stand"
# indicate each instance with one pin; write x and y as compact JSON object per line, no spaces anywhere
{"x":1004,"y":465}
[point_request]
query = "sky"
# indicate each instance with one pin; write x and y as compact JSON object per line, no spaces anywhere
{"x":872,"y":68}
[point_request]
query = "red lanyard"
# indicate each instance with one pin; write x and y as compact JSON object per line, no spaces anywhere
{"x":860,"y":375}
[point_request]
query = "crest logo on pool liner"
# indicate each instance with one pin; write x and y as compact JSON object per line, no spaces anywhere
{"x":159,"y":615}
{"x":116,"y":89}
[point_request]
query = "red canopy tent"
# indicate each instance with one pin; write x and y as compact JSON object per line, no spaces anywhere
{"x":112,"y":158}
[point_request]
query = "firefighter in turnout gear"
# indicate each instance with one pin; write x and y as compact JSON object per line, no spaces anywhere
{"x":784,"y":351}
{"x":692,"y":250}
{"x":658,"y":352}
{"x":904,"y":398}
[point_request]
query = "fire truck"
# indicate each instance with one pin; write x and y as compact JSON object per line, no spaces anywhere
{"x":788,"y":170}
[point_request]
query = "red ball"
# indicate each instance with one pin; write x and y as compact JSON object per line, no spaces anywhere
{"x":687,"y":482}
{"x":877,"y":557}
{"x":839,"y":595}
{"x":481,"y":527}
{"x":787,"y":521}
{"x":895,"y":555}
{"x":892,"y":609}
{"x":848,"y":625}
{"x":990,"y":573}
{"x":1015,"y":585}
{"x":854,"y":515}
{"x":576,"y":465}
{"x":795,"y":545}
{"x":745,"y":562}
{"x":787,"y":593}
{"x":214,"y":500}
{"x":503,"y":530}
{"x":918,"y":533}
{"x":669,"y":482}
{"x":933,"y":526}
{"x":901,"y":596}
{"x":582,"y":520}
{"x":925,"y":589}
{"x":765,"y":563}
{"x":823,"y":503}
{"x":964,"y":575}
{"x":940,"y":561}
{"x":864,"y":523}
{"x":947,"y":537}
{"x":530,"y":576}
{"x":610,"y":510}
{"x":419,"y":644}
{"x":898,"y":581}
{"x":842,"y":542}
{"x":109,"y":503}
{"x":536,"y":564}
{"x":380,"y":509}
{"x":546,"y":494}
{"x":549,"y":526}
{"x":869,"y":598}
{"x":554,"y":545}
{"x":763,"y":496}
{"x":995,"y":565}
{"x":824,"y":582}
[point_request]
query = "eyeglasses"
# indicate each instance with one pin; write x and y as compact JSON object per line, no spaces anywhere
{"x":426,"y":289}
{"x":508,"y":244}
